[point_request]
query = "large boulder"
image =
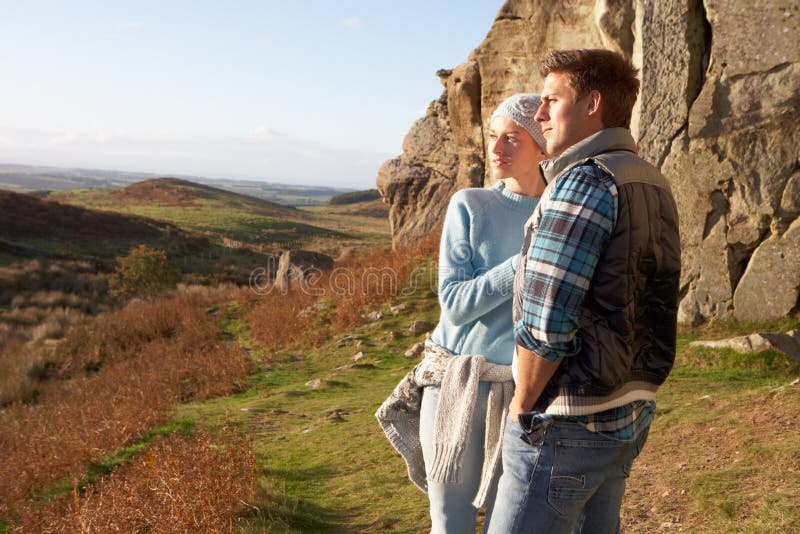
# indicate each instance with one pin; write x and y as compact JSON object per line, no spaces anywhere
{"x":719,"y":113}
{"x":770,"y":286}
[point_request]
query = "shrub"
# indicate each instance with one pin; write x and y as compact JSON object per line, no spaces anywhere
{"x":143,"y":360}
{"x":144,"y":272}
{"x":178,"y":485}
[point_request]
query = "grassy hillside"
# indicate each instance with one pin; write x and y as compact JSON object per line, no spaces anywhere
{"x":35,"y":228}
{"x":230,"y":219}
{"x":355,"y":196}
{"x":723,"y":453}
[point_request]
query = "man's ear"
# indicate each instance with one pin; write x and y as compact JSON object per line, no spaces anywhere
{"x":593,"y":102}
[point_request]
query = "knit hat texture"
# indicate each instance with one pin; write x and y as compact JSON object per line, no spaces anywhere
{"x":521,"y":108}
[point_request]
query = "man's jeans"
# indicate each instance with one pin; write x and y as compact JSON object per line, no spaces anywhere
{"x":565,"y":478}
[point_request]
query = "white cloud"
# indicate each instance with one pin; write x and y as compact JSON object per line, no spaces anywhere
{"x":63,"y":139}
{"x":263,"y":133}
{"x":353,"y":23}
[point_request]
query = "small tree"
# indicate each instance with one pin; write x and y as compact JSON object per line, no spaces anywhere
{"x":144,"y":273}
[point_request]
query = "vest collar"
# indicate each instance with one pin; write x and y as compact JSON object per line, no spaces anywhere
{"x":606,"y":140}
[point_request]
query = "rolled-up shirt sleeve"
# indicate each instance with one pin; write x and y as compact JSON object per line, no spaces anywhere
{"x":573,"y":232}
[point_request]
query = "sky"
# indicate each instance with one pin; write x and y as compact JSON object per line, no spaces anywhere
{"x":310,"y":92}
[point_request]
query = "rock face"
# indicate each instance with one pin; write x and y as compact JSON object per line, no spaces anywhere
{"x":719,"y":113}
{"x":300,"y":267}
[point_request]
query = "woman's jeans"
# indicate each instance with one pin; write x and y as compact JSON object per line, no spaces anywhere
{"x":451,"y":504}
{"x":565,"y":478}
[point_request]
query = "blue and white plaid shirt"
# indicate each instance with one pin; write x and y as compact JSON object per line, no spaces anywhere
{"x":563,"y":252}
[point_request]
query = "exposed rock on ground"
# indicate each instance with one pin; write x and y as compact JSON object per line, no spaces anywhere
{"x":418,"y":327}
{"x":788,"y":343}
{"x":299,"y":267}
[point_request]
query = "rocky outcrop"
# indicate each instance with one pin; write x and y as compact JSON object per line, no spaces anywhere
{"x":719,"y":113}
{"x":418,"y":184}
{"x":300,"y":268}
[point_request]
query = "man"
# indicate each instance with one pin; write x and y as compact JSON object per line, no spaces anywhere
{"x":595,"y":306}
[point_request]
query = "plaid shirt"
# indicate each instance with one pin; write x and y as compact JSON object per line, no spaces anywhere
{"x":563,"y":252}
{"x":566,"y":245}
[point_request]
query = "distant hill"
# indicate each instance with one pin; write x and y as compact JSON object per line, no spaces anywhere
{"x":28,"y":178}
{"x":23,"y":215}
{"x":31,"y":226}
{"x":229,"y":219}
{"x":355,"y":196}
{"x":178,"y":192}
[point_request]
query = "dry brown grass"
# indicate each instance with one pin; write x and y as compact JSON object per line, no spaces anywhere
{"x":40,"y":301}
{"x":122,"y":375}
{"x":50,"y":283}
{"x":26,"y":352}
{"x":177,"y":485}
{"x":338,"y":300}
{"x":127,"y":371}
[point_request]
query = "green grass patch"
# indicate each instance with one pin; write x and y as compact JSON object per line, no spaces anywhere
{"x":234,"y":224}
{"x":241,"y":219}
{"x":323,"y":460}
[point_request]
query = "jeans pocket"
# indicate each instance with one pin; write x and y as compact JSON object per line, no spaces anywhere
{"x":579,"y":468}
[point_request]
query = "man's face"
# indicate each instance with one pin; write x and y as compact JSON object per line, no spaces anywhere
{"x":565,"y":118}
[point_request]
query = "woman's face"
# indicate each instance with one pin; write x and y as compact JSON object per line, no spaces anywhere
{"x":512,"y":151}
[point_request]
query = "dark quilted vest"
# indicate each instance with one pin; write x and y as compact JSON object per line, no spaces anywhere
{"x":628,"y":324}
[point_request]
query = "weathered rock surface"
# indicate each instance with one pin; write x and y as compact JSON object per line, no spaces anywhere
{"x":719,"y":113}
{"x":375,"y":315}
{"x":419,"y":181}
{"x":300,"y":267}
{"x":769,"y":287}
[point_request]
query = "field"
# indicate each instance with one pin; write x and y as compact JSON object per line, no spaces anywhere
{"x":217,"y":409}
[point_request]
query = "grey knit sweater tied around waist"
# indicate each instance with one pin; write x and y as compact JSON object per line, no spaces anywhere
{"x":458,"y":376}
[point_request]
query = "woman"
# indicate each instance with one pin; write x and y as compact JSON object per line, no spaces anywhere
{"x":478,"y":256}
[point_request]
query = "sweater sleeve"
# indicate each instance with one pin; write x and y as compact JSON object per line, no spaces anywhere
{"x":466,"y":293}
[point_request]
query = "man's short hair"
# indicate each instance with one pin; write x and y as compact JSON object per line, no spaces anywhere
{"x":595,"y":69}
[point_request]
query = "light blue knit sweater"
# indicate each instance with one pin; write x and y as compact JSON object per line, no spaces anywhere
{"x":481,"y":240}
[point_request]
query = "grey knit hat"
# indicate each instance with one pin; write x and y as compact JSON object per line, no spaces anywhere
{"x":521,"y":108}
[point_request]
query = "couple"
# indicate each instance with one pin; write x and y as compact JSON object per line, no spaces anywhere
{"x":589,"y":333}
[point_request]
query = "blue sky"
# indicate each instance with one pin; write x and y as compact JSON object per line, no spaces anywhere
{"x":314,"y":92}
